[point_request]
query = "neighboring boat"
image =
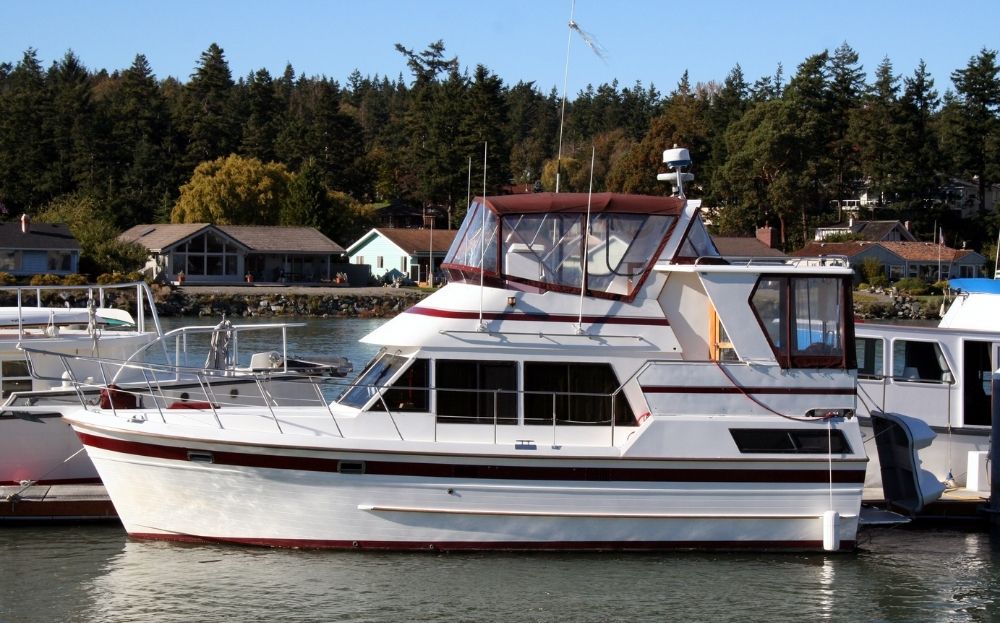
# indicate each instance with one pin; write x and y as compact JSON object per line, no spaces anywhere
{"x":37,"y":447}
{"x":594,"y":376}
{"x":941,"y":375}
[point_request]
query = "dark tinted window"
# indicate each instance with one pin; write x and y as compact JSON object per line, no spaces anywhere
{"x":488,"y":391}
{"x":767,"y":440}
{"x":575,"y":393}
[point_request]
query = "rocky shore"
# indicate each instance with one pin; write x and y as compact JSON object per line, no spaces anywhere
{"x":381,"y":302}
{"x":250,"y":301}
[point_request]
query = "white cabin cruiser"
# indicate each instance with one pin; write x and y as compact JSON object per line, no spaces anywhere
{"x":940,"y":375}
{"x":94,"y":346}
{"x":593,"y":377}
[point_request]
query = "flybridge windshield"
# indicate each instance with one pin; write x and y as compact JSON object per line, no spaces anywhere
{"x":559,"y":250}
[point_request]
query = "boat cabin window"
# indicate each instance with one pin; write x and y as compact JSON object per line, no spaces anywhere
{"x":408,"y":392}
{"x":697,"y":244}
{"x":772,"y":441}
{"x":573,"y":393}
{"x":977,"y":382}
{"x":484,"y":391}
{"x":919,"y":362}
{"x":16,"y":376}
{"x":869,"y":351}
{"x":804,"y":319}
{"x":475,"y":242}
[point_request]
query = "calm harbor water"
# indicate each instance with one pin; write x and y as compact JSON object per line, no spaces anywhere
{"x":95,"y":573}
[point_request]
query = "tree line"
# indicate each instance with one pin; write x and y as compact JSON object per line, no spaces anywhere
{"x":111,"y":150}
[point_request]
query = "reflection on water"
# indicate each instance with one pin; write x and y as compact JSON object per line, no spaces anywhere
{"x":98,"y":574}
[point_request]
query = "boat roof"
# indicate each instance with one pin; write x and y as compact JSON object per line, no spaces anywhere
{"x":578,"y":202}
{"x":976,"y":285}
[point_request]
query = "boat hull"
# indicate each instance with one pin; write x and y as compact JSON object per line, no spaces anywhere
{"x":278,"y":497}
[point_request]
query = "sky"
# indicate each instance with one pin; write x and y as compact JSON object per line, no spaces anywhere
{"x":652,"y":42}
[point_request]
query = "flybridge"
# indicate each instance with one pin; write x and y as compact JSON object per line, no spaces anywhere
{"x":604,"y":243}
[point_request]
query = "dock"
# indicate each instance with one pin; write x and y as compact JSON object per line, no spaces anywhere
{"x":55,"y":504}
{"x":958,"y":508}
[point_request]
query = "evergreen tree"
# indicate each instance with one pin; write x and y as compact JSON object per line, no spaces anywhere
{"x":975,"y":129}
{"x":209,"y":120}
{"x":26,"y":150}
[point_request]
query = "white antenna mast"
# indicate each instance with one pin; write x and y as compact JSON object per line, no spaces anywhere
{"x":586,"y":243}
{"x":597,"y":49}
{"x":562,"y":114}
{"x":482,"y":244}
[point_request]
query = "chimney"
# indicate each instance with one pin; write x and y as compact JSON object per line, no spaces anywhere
{"x":25,"y":223}
{"x":766,"y":235}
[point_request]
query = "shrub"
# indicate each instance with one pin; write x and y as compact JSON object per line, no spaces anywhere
{"x":912,"y":285}
{"x":7,"y":279}
{"x":45,"y":280}
{"x":74,"y":280}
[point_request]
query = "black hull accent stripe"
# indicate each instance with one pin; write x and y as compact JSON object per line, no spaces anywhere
{"x":798,"y":474}
{"x":518,"y":316}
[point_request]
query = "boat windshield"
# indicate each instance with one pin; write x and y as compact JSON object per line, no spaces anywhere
{"x":378,"y":371}
{"x":609,"y":253}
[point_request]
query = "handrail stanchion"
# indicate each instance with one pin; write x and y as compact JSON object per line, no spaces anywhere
{"x":267,"y":402}
{"x":553,"y":419}
{"x":495,"y":422}
{"x":322,"y":398}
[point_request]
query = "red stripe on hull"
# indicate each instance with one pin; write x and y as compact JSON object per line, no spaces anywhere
{"x":518,"y":316}
{"x":486,"y":471}
{"x":560,"y":546}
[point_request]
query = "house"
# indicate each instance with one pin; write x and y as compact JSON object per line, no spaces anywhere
{"x":926,"y":260}
{"x":963,"y":197}
{"x":205,"y":253}
{"x":868,"y":230}
{"x":735,"y":248}
{"x":395,"y":252}
{"x":401,"y":215}
{"x":28,"y":248}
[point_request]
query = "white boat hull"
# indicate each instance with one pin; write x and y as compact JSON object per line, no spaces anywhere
{"x":295,"y":498}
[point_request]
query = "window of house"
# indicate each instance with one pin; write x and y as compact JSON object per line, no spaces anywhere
{"x":484,"y":391}
{"x":378,"y":262}
{"x":8,"y":261}
{"x":919,"y":362}
{"x":60,"y":260}
{"x":359,"y":259}
{"x":404,"y":265}
{"x":573,"y":393}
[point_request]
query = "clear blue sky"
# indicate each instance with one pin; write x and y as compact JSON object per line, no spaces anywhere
{"x":650,"y":41}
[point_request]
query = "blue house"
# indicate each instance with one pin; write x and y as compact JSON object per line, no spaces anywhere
{"x":28,"y":248}
{"x":394,"y":252}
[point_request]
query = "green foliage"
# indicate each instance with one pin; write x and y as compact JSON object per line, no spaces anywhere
{"x":7,"y":279}
{"x":767,"y":150}
{"x":233,"y":191}
{"x":100,"y":248}
{"x":872,"y":269}
{"x":913,"y":286}
{"x":119,"y":277}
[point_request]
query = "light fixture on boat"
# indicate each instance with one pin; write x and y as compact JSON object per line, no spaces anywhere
{"x":830,"y":413}
{"x":511,"y":301}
